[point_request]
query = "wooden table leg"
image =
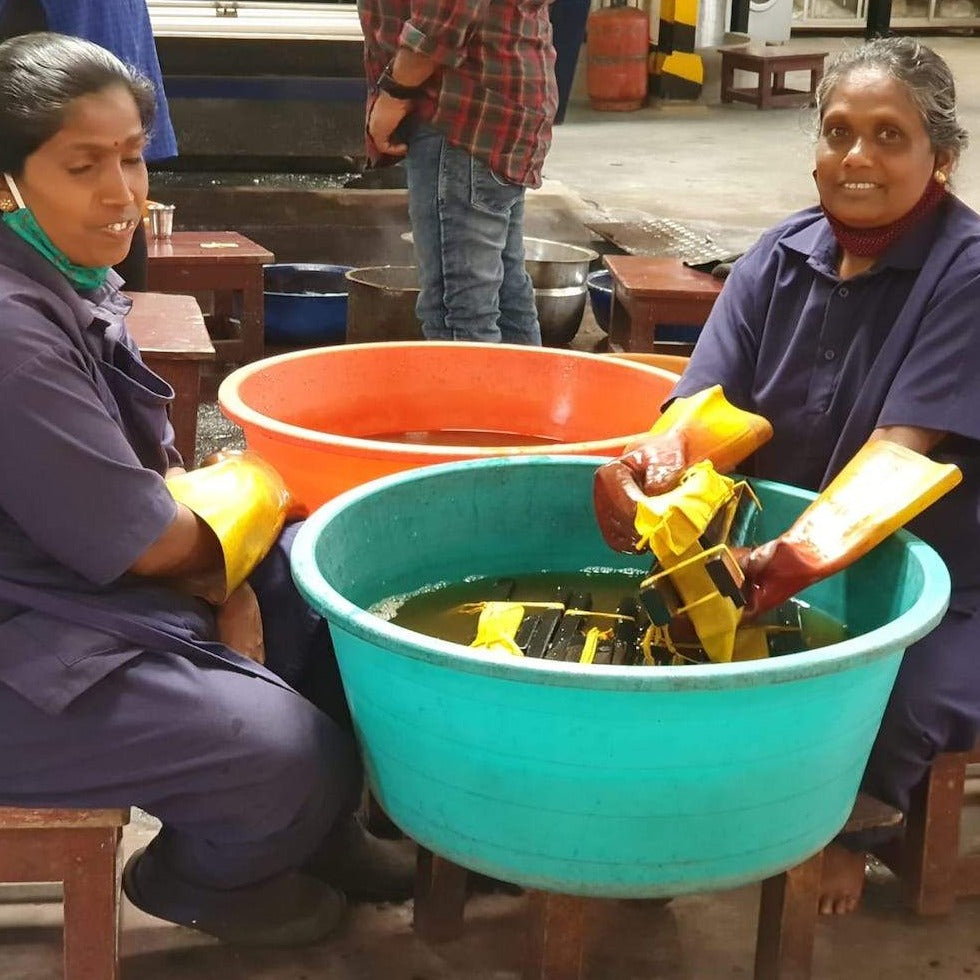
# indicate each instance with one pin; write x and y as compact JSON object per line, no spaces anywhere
{"x":933,"y":834}
{"x":253,"y":317}
{"x":765,"y":88}
{"x":788,"y":921}
{"x":642,"y":327}
{"x":557,"y":937}
{"x":91,"y":945}
{"x":440,"y":897}
{"x":816,"y":74}
{"x":727,"y":80}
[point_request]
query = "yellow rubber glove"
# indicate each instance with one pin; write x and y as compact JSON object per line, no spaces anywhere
{"x":245,"y":502}
{"x":883,"y":487}
{"x":705,"y":426}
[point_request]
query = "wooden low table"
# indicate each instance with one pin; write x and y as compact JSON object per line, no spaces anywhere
{"x":648,"y":292}
{"x":770,"y":64}
{"x":226,"y":265}
{"x":557,"y":938}
{"x":174,"y":342}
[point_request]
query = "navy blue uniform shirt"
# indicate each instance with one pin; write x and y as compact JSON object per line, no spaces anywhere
{"x":828,"y":361}
{"x":84,"y":445}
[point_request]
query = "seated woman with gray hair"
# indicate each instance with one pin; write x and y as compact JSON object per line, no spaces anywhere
{"x":855,"y":320}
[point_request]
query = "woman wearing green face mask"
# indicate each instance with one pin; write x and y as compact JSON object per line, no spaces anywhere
{"x":121,"y":680}
{"x":78,"y":196}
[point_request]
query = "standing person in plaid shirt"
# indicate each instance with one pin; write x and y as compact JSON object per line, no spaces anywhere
{"x":465,"y":90}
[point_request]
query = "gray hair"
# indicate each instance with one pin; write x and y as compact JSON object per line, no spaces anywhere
{"x":925,"y":76}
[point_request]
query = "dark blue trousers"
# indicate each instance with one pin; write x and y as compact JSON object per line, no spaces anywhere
{"x":246,"y":774}
{"x":934,"y":707}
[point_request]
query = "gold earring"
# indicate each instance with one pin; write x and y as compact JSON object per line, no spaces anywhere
{"x":7,"y":203}
{"x":939,"y":177}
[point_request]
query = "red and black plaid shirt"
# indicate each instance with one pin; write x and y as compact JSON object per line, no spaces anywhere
{"x":495,"y":95}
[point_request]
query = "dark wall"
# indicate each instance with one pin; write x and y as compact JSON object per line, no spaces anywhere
{"x":265,"y":105}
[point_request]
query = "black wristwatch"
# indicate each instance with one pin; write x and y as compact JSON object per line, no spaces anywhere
{"x":386,"y":83}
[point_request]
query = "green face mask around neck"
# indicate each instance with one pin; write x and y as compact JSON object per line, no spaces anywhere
{"x":23,"y":223}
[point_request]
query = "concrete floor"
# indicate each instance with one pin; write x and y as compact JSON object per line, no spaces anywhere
{"x":730,"y":171}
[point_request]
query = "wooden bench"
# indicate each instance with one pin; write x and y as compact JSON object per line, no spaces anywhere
{"x":770,"y":64}
{"x":228,"y":268}
{"x":174,"y":343}
{"x":556,"y":933}
{"x":81,"y":849}
{"x":649,"y":292}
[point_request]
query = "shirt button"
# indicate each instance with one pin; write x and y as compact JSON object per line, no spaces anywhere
{"x":829,"y":355}
{"x":842,"y":292}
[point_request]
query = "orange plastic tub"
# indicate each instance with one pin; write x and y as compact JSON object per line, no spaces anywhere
{"x":312,"y":413}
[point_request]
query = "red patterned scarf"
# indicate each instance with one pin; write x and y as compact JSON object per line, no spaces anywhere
{"x":872,"y":242}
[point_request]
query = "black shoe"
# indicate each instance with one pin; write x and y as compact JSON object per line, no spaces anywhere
{"x":365,"y":868}
{"x":292,"y":909}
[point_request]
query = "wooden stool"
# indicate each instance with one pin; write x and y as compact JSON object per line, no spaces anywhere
{"x":788,"y":909}
{"x":229,"y":267}
{"x":648,"y":292}
{"x":933,"y":872}
{"x":81,"y":849}
{"x":174,"y":343}
{"x":556,"y":935}
{"x":770,"y":64}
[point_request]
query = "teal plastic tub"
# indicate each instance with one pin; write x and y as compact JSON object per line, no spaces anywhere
{"x":596,"y":780}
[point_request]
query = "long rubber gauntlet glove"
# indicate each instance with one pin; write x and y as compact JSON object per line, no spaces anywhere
{"x":704,"y":426}
{"x":244,"y":501}
{"x":880,"y":489}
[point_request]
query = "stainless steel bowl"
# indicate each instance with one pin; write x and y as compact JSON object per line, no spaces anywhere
{"x":560,"y":313}
{"x":382,"y":298}
{"x":558,"y":272}
{"x":555,"y":265}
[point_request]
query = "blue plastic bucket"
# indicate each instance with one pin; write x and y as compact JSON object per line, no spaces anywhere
{"x":595,"y":780}
{"x":600,"y":286}
{"x":305,"y":304}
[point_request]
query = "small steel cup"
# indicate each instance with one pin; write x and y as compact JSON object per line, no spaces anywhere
{"x":161,"y":220}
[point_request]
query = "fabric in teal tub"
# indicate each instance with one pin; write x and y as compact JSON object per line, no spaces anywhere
{"x":596,"y":780}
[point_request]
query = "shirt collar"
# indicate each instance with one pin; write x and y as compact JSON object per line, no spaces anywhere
{"x":19,"y":256}
{"x":816,"y":242}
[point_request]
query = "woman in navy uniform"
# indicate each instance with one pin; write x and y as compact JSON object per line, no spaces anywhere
{"x":129,"y":655}
{"x":855,"y":320}
{"x":124,"y":28}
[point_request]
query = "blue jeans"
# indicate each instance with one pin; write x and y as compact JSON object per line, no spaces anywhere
{"x":468,"y":226}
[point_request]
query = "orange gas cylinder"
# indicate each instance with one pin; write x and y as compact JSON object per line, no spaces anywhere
{"x":618,"y":48}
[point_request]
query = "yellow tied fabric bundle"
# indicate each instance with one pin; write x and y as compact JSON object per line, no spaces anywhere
{"x":497,"y":627}
{"x":671,"y":522}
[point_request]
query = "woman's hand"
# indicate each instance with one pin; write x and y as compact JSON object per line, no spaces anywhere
{"x":651,"y":466}
{"x":239,"y":623}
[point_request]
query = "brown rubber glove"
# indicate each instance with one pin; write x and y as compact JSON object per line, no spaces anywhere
{"x":653,"y":465}
{"x":881,"y":488}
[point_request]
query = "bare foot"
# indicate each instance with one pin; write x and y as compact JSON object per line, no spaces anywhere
{"x":842,"y":880}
